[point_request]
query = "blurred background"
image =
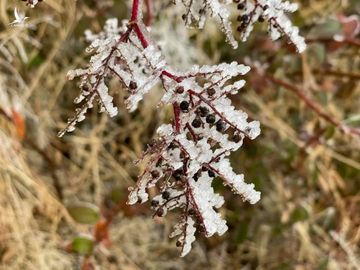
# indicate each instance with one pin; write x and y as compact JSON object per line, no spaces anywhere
{"x":55,"y":193}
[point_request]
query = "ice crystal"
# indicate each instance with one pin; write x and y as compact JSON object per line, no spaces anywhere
{"x":272,"y":11}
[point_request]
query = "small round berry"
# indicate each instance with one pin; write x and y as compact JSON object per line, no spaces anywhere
{"x":132,"y":85}
{"x":220,"y":126}
{"x":180,"y":89}
{"x":160,"y":212}
{"x":237,"y":138}
{"x":203,"y":111}
{"x":211,"y":92}
{"x":155,"y":174}
{"x":192,"y":211}
{"x":261,"y":19}
{"x":165,"y":195}
{"x":211,"y":173}
{"x":85,"y":87}
{"x":154,"y":203}
{"x":265,"y":7}
{"x":244,"y":18}
{"x":183,"y":17}
{"x":241,"y":6}
{"x":210,"y":119}
{"x":184,"y":106}
{"x":178,"y":243}
{"x":177,"y":174}
{"x":196,"y":123}
{"x":196,"y":177}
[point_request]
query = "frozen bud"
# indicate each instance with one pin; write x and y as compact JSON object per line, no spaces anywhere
{"x":191,"y":211}
{"x":210,"y":92}
{"x":132,"y":85}
{"x":180,"y":89}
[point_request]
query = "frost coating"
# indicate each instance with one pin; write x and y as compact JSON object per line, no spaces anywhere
{"x":272,"y":11}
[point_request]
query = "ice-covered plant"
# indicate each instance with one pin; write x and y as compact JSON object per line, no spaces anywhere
{"x":188,"y":153}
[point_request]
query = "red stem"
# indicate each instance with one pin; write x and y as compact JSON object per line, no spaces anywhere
{"x":135,"y":11}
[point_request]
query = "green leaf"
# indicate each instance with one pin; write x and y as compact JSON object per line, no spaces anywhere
{"x":84,"y":213}
{"x":326,"y":29}
{"x":83,"y":245}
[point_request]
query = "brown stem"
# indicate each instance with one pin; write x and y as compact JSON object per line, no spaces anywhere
{"x":313,"y":105}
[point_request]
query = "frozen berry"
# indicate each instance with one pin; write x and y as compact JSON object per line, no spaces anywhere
{"x":203,"y":111}
{"x":210,"y":119}
{"x":237,"y":138}
{"x":132,"y":85}
{"x":211,"y":173}
{"x":241,"y":6}
{"x":154,"y":203}
{"x":220,"y":126}
{"x":211,"y":92}
{"x":165,"y":195}
{"x":180,"y":89}
{"x":160,"y":212}
{"x":155,"y":174}
{"x":244,"y":18}
{"x":184,"y":106}
{"x":196,"y":123}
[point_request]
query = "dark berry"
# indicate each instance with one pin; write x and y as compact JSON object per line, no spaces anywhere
{"x":211,"y":173}
{"x":132,"y":85}
{"x":155,"y":174}
{"x":172,"y":146}
{"x":265,"y":7}
{"x":210,"y":119}
{"x":184,"y":106}
{"x":261,"y":19}
{"x":220,"y":126}
{"x":204,"y":169}
{"x":183,"y":17}
{"x":191,"y":212}
{"x":165,"y":195}
{"x":241,"y":6}
{"x":177,"y":174}
{"x":154,"y":203}
{"x":178,"y":243}
{"x":196,"y":177}
{"x":202,"y":11}
{"x":237,"y":138}
{"x":240,"y":28}
{"x":160,"y":212}
{"x":203,"y":111}
{"x":244,"y":18}
{"x":179,"y":90}
{"x":196,"y":123}
{"x":85,"y":87}
{"x":211,"y":92}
